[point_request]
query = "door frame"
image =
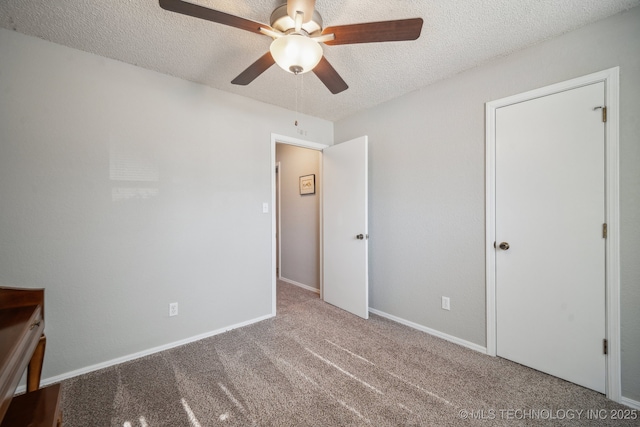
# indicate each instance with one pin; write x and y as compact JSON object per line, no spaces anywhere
{"x":610,"y":77}
{"x":282,"y":139}
{"x":276,"y":211}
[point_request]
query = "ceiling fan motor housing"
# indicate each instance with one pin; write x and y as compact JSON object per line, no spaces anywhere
{"x":281,"y":21}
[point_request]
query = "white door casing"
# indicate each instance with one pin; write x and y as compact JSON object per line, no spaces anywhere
{"x":345,"y":227}
{"x":278,"y":224}
{"x":541,"y":250}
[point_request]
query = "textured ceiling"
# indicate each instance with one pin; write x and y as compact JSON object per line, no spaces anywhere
{"x":457,"y":35}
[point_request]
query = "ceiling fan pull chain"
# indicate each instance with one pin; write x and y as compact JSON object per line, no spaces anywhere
{"x":296,"y":77}
{"x":299,"y":93}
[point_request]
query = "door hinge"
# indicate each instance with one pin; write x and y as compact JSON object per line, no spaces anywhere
{"x":604,"y":113}
{"x":604,"y":230}
{"x":605,"y":346}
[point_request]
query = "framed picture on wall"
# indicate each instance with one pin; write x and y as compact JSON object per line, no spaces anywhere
{"x":308,"y":184}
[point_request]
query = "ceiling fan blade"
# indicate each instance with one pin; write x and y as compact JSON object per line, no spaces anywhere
{"x":372,"y":32}
{"x":304,"y":6}
{"x":254,"y":70}
{"x":213,"y":15}
{"x":330,"y":77}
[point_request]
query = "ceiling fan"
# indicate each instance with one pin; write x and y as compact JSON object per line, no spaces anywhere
{"x":296,"y":29}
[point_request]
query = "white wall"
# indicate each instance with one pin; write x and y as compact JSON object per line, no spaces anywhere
{"x":299,"y":216}
{"x":123,"y":190}
{"x":427,"y":182}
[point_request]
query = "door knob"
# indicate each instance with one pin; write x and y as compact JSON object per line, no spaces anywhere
{"x":360,"y":237}
{"x":504,"y":246}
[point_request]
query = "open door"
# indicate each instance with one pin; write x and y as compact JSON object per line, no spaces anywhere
{"x":345,"y":226}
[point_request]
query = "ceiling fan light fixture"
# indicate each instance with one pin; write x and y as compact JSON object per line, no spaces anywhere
{"x":296,"y":53}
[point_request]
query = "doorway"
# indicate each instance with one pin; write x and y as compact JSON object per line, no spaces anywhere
{"x":523,"y":332}
{"x":298,"y":190}
{"x":343,"y":226}
{"x":292,"y":142}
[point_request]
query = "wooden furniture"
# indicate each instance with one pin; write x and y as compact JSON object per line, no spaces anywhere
{"x":36,"y":408}
{"x":22,"y":345}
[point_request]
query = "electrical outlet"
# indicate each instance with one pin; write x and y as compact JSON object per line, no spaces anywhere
{"x":173,"y":309}
{"x":446,"y":303}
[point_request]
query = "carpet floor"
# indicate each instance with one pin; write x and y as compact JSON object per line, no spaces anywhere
{"x":316,"y":365}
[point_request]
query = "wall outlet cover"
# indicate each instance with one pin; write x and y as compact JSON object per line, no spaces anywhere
{"x":173,"y":309}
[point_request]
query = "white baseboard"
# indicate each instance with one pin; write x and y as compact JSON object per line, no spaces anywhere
{"x":133,"y":356}
{"x":430,"y":331}
{"x":630,"y":403}
{"x":58,"y":378}
{"x":302,"y":285}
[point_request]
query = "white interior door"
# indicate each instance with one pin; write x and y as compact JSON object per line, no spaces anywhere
{"x":345,"y":227}
{"x":550,"y":193}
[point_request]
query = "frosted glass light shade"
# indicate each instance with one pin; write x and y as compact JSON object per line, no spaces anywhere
{"x":296,"y":53}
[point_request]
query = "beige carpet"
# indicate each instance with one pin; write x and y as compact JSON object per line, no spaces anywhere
{"x":316,"y":365}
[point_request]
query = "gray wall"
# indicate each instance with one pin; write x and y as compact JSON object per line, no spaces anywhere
{"x":427,"y":182}
{"x":123,"y":190}
{"x":299,"y":215}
